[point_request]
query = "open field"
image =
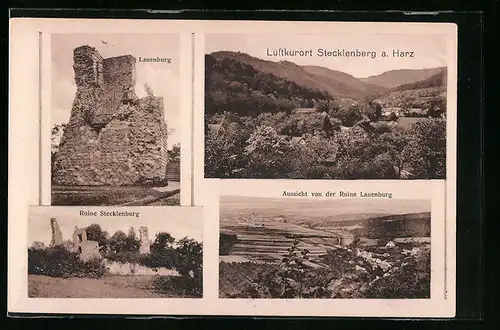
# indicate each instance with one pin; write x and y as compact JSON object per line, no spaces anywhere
{"x":106,"y":195}
{"x":108,"y":287}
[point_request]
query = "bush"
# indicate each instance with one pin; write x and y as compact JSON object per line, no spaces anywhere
{"x":179,"y":285}
{"x":157,"y":259}
{"x":410,"y":281}
{"x":59,"y":262}
{"x":226,"y":242}
{"x":124,"y":257}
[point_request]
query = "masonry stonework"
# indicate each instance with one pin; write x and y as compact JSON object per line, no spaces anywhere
{"x":112,"y":138}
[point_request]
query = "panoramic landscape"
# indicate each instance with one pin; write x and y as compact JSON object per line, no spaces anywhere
{"x":78,"y":257}
{"x":267,"y":118}
{"x":303,"y":248}
{"x":114,"y":120}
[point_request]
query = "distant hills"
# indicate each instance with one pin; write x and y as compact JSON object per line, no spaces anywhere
{"x":306,"y":83}
{"x":395,"y":78}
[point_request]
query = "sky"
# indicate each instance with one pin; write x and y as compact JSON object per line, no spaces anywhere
{"x":177,"y":221}
{"x":429,"y":50}
{"x":162,"y":77}
{"x":326,"y":206}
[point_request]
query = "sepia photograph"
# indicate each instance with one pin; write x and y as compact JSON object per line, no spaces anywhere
{"x":325,"y":106}
{"x":303,"y":248}
{"x":107,"y":253}
{"x":115,"y":119}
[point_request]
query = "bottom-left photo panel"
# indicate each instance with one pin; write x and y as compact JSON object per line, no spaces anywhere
{"x":95,"y":252}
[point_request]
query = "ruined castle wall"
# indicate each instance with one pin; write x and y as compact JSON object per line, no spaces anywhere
{"x":107,"y":142}
{"x":129,"y":150}
{"x":148,"y":135}
{"x":87,"y":64}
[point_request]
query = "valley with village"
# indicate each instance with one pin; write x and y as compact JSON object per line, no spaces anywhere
{"x":302,"y":248}
{"x":266,"y":119}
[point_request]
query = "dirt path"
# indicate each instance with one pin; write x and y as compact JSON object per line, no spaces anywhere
{"x":108,"y":287}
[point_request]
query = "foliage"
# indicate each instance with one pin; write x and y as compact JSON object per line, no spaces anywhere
{"x":225,"y":153}
{"x":226,"y":242}
{"x":59,"y":262}
{"x":291,"y":279}
{"x":239,"y":87}
{"x":426,"y":148}
{"x":263,"y":146}
{"x":411,"y":280}
{"x":268,"y":153}
{"x":95,"y":233}
{"x":55,"y":139}
{"x":174,"y":153}
{"x":118,"y":242}
{"x":347,"y":272}
{"x":190,"y":265}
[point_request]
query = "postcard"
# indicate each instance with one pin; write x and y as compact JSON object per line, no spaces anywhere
{"x":232,"y":168}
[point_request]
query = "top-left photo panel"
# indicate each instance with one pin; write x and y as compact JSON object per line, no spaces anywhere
{"x":115,"y":119}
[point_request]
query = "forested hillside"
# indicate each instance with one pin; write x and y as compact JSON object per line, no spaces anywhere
{"x":238,"y":87}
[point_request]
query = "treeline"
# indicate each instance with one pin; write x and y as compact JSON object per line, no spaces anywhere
{"x":436,"y":80}
{"x":234,"y":86}
{"x":262,"y":147}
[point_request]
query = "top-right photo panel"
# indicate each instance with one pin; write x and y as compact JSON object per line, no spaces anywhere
{"x":339,"y":106}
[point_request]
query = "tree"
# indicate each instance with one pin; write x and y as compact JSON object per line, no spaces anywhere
{"x":163,"y":241}
{"x":148,"y":90}
{"x":268,"y":154}
{"x":323,"y":106}
{"x":55,"y":139}
{"x":95,"y":233}
{"x":350,"y":116}
{"x":133,"y":243}
{"x":118,"y":242}
{"x":292,"y":278}
{"x":224,"y":152}
{"x":174,"y":153}
{"x":190,"y":258}
{"x":310,"y":157}
{"x":426,"y":147}
{"x":393,"y":144}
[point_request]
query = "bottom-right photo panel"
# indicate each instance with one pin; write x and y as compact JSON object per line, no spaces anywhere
{"x":338,"y":248}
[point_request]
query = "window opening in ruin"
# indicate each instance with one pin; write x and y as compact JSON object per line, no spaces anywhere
{"x":80,"y":238}
{"x":79,"y":249}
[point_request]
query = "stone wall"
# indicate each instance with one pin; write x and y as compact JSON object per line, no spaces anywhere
{"x":57,"y":238}
{"x":118,"y":268}
{"x":109,"y":140}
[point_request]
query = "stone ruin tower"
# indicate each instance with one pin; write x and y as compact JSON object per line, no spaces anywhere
{"x":87,"y":249}
{"x":57,"y":238}
{"x":112,"y":138}
{"x":145,"y":242}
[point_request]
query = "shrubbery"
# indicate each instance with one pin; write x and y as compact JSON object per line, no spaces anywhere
{"x":226,"y":242}
{"x":346,"y":273}
{"x":262,"y":147}
{"x":59,"y":262}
